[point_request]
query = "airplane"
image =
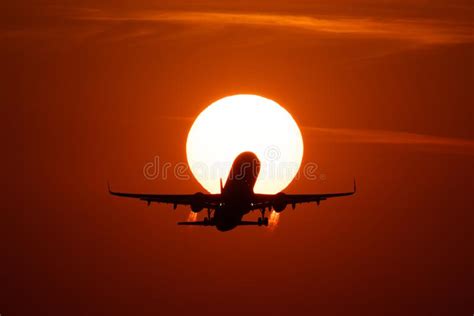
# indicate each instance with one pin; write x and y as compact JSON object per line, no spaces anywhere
{"x":226,"y":210}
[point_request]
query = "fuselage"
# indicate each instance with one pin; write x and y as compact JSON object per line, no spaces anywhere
{"x":237,"y":193}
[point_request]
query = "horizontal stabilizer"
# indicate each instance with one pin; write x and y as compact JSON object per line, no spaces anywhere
{"x":248,"y":223}
{"x":198,"y":223}
{"x":207,"y":223}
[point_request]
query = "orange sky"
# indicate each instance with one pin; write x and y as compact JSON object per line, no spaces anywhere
{"x":93,"y":90}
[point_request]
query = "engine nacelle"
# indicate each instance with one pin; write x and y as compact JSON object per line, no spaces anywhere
{"x":197,"y":204}
{"x":279,"y":203}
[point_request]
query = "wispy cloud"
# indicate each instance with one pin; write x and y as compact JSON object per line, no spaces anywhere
{"x":418,"y":30}
{"x":392,"y":138}
{"x":137,"y":24}
{"x":382,"y":137}
{"x":177,"y":118}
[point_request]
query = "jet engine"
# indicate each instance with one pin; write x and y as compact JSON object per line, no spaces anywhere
{"x":197,"y":204}
{"x":279,"y":203}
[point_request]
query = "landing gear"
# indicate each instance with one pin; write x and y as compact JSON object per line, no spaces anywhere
{"x":262,"y":220}
{"x":208,"y":219}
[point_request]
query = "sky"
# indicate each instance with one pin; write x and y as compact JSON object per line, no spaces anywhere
{"x":93,"y":91}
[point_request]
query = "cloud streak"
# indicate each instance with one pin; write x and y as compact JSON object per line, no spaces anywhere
{"x":382,"y":137}
{"x":365,"y":136}
{"x":423,"y":31}
{"x":62,"y":22}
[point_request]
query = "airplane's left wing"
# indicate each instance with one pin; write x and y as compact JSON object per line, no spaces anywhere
{"x":199,"y":199}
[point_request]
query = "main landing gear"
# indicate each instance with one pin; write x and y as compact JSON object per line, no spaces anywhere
{"x":208,"y":219}
{"x":262,"y":220}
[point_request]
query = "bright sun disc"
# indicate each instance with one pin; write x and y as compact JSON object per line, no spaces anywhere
{"x":241,"y":123}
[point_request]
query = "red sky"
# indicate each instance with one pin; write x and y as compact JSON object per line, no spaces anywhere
{"x":93,"y":90}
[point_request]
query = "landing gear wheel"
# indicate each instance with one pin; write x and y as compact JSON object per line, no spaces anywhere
{"x":259,"y":221}
{"x":206,"y":221}
{"x":265,"y":221}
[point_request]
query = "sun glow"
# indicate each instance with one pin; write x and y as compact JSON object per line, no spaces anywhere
{"x":241,"y":123}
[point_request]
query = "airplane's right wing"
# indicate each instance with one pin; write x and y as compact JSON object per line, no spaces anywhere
{"x":266,"y":200}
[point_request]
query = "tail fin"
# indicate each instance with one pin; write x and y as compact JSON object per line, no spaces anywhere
{"x":222,"y":187}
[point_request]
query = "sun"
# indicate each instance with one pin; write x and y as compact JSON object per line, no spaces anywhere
{"x":239,"y":123}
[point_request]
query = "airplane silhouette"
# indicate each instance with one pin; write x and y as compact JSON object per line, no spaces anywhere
{"x":226,"y":209}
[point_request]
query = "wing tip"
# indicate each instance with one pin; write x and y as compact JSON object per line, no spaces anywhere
{"x":355,"y":187}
